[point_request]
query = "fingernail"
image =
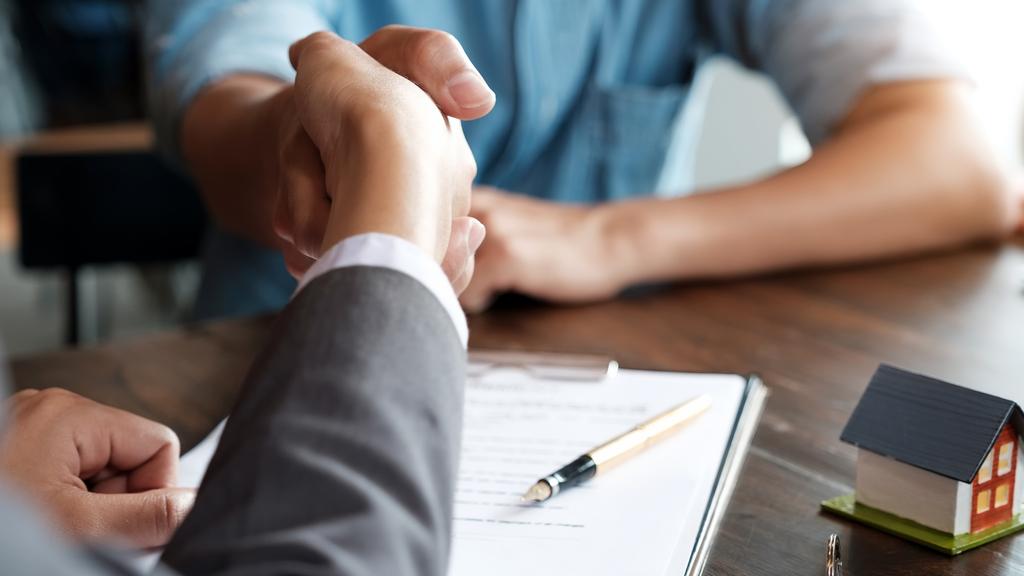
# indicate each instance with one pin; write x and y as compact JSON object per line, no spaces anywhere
{"x":477,"y":232}
{"x":469,"y":90}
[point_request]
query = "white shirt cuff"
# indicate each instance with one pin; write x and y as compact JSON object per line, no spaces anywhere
{"x":387,"y":251}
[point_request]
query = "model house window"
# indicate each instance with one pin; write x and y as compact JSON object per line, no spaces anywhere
{"x":1005,"y":456}
{"x":984,"y":501}
{"x":1002,"y":495}
{"x":985,"y":474}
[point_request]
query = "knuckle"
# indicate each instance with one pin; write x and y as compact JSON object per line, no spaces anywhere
{"x":428,"y":44}
{"x":321,"y":39}
{"x":168,"y":435}
{"x":23,"y":394}
{"x":163,"y":513}
{"x":58,"y":395}
{"x":324,"y":41}
{"x":388,"y":29}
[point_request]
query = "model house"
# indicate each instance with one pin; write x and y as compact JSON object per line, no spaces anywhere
{"x":943,"y":456}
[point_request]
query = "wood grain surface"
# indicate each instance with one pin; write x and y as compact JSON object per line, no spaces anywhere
{"x":815,"y":337}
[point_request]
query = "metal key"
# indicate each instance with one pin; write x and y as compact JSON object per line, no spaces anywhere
{"x":833,"y":557}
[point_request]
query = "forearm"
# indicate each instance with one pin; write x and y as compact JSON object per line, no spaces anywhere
{"x":897,"y":178}
{"x":228,"y":139}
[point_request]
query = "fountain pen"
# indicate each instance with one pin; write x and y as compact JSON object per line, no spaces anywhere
{"x":617,"y":449}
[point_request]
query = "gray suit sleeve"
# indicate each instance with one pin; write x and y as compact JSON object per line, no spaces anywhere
{"x":341,"y":455}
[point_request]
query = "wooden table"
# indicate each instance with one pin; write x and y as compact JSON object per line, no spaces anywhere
{"x":815,"y":337}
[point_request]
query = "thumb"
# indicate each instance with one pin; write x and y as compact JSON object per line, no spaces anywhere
{"x":145,"y":519}
{"x":435,"y":61}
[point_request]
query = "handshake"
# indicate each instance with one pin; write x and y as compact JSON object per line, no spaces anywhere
{"x":367,"y":151}
{"x":370,"y":141}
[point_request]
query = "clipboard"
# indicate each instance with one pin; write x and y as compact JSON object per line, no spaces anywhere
{"x":689,"y":555}
{"x":597,"y":368}
{"x":543,"y":365}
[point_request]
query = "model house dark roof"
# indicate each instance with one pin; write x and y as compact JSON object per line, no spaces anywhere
{"x":928,"y":423}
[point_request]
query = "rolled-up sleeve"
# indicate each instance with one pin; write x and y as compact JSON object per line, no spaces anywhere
{"x":824,"y":53}
{"x":191,"y":43}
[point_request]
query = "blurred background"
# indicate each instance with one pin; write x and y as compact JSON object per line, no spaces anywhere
{"x":102,"y":243}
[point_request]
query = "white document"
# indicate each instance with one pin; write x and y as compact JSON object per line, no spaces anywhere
{"x":636,"y":518}
{"x":631,"y":519}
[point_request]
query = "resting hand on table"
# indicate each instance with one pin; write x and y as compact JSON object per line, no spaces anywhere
{"x":556,"y":252}
{"x":1020,"y":204}
{"x":102,"y":472}
{"x":337,"y":129}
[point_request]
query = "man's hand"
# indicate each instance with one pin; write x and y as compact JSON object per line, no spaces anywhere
{"x":556,"y":252}
{"x":393,"y":163}
{"x":1020,"y":205}
{"x":103,"y":473}
{"x":312,"y":163}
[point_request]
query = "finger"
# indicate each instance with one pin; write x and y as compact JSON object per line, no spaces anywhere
{"x":282,"y":220}
{"x":326,"y":67}
{"x":296,"y":262}
{"x":145,"y":519}
{"x":476,"y":238}
{"x":436,"y":62}
{"x":23,"y":394}
{"x":305,"y":192}
{"x":17,"y":400}
{"x":483,"y":287}
{"x":110,"y":484}
{"x":458,"y":264}
{"x":477,"y":296}
{"x":1020,"y":226}
{"x":463,"y":188}
{"x":313,"y":42}
{"x":110,"y":438}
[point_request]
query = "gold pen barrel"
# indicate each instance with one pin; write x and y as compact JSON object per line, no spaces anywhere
{"x":643,"y":435}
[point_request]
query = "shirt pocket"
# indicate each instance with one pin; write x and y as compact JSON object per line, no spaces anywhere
{"x":629,"y":130}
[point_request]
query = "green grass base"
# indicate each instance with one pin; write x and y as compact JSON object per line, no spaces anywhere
{"x":847,"y":507}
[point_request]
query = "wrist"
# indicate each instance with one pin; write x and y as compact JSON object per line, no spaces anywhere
{"x":280,"y":110}
{"x":224,"y":135}
{"x":618,"y":253}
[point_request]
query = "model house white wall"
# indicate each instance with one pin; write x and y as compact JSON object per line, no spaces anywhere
{"x":964,"y":503}
{"x":924,"y":497}
{"x":912,"y":493}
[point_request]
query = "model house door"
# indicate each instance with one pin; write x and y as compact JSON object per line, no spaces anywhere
{"x":994,"y":483}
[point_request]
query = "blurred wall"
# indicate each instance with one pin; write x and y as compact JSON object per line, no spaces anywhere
{"x":737,"y":127}
{"x":988,"y":36}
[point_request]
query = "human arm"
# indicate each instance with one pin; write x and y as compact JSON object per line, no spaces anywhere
{"x":906,"y":172}
{"x":342,"y":451}
{"x":98,"y":472}
{"x":220,"y":86}
{"x":900,"y":166}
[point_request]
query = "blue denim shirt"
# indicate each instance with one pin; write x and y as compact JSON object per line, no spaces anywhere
{"x":587,"y":90}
